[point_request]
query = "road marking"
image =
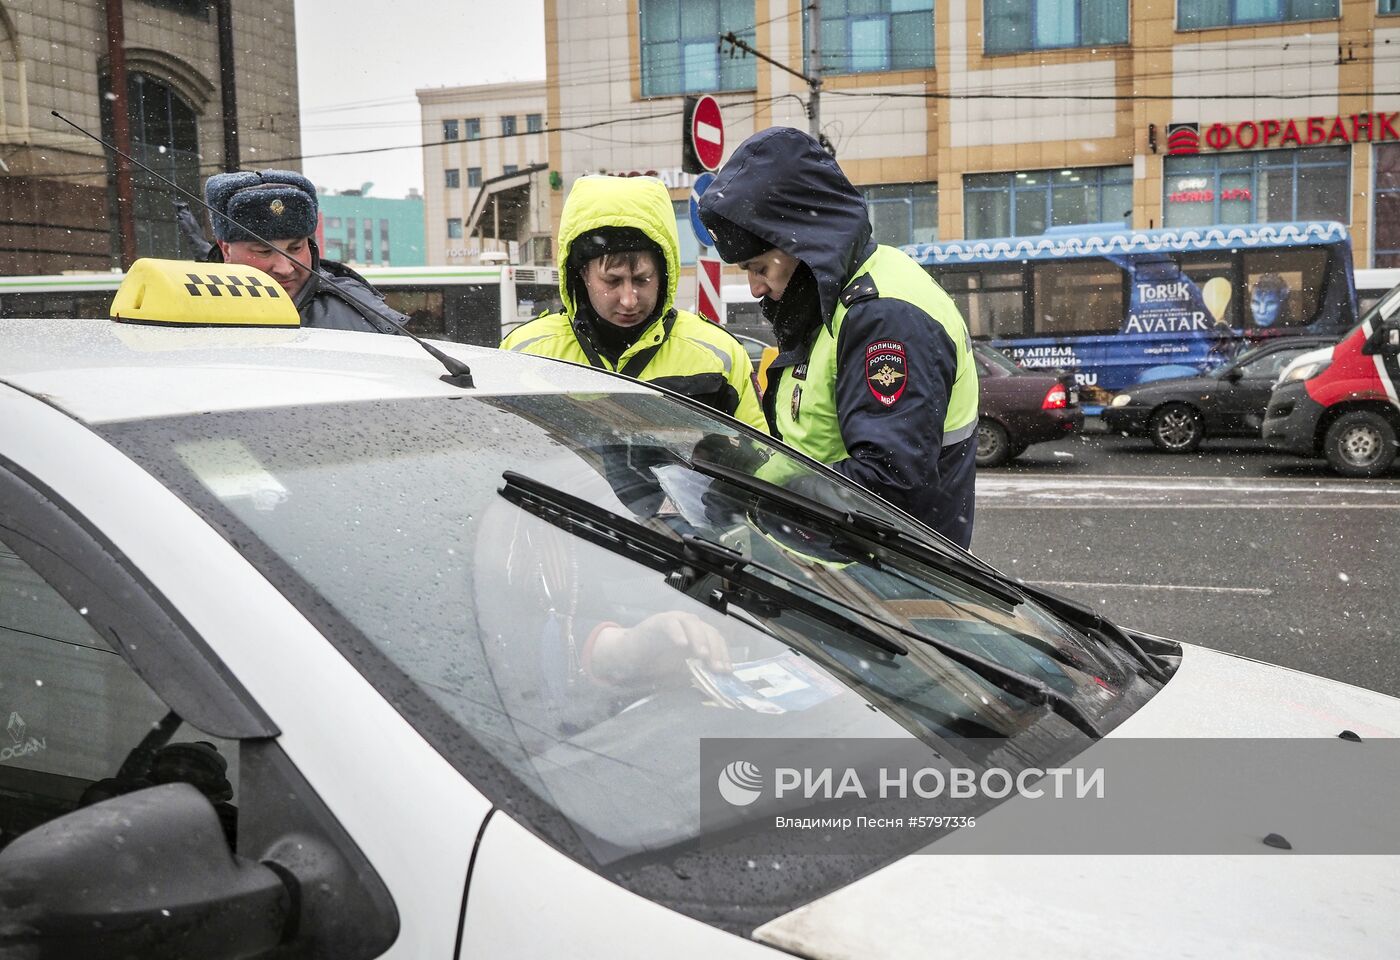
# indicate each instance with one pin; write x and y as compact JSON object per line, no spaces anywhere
{"x":1100,"y":505}
{"x":1256,"y":591}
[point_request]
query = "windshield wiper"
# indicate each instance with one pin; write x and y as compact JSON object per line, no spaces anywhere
{"x":679,"y":560}
{"x":867,"y":527}
{"x":1092,"y":622}
{"x":887,"y":535}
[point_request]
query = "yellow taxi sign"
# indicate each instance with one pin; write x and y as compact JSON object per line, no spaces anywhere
{"x":184,"y":293}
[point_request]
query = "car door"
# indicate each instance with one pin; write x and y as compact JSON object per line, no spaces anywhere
{"x":1242,"y":405}
{"x":123,"y":739}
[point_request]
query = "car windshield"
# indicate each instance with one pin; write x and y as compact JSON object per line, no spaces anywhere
{"x":385,"y":523}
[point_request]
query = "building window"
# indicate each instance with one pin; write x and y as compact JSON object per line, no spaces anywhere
{"x":1013,"y":26}
{"x":1385,"y":221}
{"x":860,"y":36}
{"x":1389,"y":6}
{"x":690,"y":246}
{"x":534,"y":123}
{"x":1199,"y":14}
{"x":508,"y":126}
{"x":473,"y":125}
{"x":903,"y":213}
{"x":1029,"y":202}
{"x":509,"y":168}
{"x":384,"y":237}
{"x":165,"y":137}
{"x":454,"y":228}
{"x":680,"y":52}
{"x":473,"y":176}
{"x":332,"y":223}
{"x":1264,"y":186}
{"x":333,"y":249}
{"x":449,"y":129}
{"x":453,"y":178}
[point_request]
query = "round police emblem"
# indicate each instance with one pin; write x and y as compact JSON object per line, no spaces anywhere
{"x":277,"y":207}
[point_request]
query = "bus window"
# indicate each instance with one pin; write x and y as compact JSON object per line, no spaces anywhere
{"x":1078,"y":296}
{"x":423,"y":306}
{"x":1202,"y":270}
{"x":533,"y":299}
{"x":992,"y":302}
{"x":1283,"y":286}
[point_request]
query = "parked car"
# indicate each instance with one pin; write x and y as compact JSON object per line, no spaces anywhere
{"x":1342,"y":403}
{"x":1020,"y":407}
{"x":1229,"y":401}
{"x":310,"y":650}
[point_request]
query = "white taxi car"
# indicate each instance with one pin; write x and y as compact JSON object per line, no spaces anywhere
{"x":309,"y":647}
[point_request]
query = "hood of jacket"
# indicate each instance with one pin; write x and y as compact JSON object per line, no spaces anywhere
{"x":782,"y":187}
{"x":639,"y":202}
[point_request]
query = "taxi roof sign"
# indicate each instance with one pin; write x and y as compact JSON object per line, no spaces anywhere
{"x":188,"y":294}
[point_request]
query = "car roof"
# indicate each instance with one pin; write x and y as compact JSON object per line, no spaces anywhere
{"x":102,"y":371}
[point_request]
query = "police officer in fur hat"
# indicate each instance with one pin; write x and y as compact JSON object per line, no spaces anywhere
{"x":279,"y":206}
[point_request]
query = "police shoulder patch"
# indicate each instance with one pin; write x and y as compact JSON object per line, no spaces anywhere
{"x":886,"y":370}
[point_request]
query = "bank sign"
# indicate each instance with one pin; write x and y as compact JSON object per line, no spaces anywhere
{"x":1188,"y":138}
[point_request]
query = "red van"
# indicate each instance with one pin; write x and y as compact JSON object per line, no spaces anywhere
{"x":1343,"y":406}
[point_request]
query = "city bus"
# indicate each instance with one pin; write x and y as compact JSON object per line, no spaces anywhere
{"x":477,"y":305}
{"x":1117,"y":307}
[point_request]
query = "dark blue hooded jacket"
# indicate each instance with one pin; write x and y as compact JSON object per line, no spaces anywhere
{"x":780,"y":186}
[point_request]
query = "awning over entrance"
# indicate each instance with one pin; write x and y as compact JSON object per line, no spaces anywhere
{"x":502,"y":208}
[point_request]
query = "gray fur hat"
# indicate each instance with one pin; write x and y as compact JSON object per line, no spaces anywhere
{"x":278,"y":204}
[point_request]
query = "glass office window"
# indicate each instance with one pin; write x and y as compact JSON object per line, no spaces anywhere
{"x":449,"y":129}
{"x":473,"y":125}
{"x":1014,"y":26}
{"x":1200,"y":14}
{"x":454,"y":228}
{"x":1030,"y":201}
{"x":452,"y":178}
{"x":680,"y":48}
{"x":903,"y":213}
{"x":861,"y":36}
{"x":1385,"y":219}
{"x":1262,"y":186}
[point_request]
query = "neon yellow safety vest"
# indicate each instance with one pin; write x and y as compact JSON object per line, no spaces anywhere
{"x":804,"y":403}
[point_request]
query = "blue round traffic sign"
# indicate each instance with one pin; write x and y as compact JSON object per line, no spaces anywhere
{"x":701,"y":234}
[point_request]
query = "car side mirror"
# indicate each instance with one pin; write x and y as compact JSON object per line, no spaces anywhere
{"x":1386,"y":338}
{"x":146,"y":874}
{"x":1234,"y":374}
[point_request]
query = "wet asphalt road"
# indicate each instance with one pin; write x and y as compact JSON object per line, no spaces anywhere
{"x":1232,"y":547}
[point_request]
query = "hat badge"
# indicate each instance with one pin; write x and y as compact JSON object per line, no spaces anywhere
{"x":277,"y":207}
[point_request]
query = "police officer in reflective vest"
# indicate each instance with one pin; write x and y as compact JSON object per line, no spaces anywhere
{"x":875,"y":376}
{"x":620,"y":259}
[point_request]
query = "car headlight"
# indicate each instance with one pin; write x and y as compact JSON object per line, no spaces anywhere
{"x":1306,"y":372}
{"x":1122,"y":400}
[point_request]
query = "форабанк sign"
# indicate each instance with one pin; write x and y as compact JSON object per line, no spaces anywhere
{"x":1277,"y":134}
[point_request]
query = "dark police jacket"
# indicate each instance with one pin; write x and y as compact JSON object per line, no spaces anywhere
{"x":900,"y":351}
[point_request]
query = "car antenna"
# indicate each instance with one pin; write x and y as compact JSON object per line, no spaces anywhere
{"x":458,"y":373}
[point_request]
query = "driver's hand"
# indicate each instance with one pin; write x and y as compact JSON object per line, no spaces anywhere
{"x":658,"y":645}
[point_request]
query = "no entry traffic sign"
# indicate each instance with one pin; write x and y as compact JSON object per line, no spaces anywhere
{"x":707,"y":132}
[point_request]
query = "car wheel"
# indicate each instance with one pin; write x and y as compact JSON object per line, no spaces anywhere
{"x":1360,"y":444}
{"x":993,"y":444}
{"x":1176,"y":428}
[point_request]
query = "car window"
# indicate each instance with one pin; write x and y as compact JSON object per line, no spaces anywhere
{"x":1268,"y":366}
{"x":483,"y":622}
{"x":79,"y":725}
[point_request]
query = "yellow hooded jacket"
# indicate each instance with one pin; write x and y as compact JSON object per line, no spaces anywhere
{"x":679,"y":350}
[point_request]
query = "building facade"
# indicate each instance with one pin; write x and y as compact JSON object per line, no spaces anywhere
{"x":361,"y":230}
{"x":59,"y":191}
{"x":486,"y":183}
{"x":981,"y":118}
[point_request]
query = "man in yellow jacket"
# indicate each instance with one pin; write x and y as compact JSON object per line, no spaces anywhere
{"x":620,"y":260}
